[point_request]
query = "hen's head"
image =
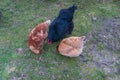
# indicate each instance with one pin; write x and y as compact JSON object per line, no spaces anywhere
{"x":73,"y":8}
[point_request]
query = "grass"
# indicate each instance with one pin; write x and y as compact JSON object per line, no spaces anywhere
{"x":20,"y":17}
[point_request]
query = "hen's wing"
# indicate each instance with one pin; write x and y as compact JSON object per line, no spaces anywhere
{"x":51,"y":31}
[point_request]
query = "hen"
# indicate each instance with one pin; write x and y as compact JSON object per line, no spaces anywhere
{"x":37,"y":37}
{"x":72,"y":46}
{"x":62,"y":25}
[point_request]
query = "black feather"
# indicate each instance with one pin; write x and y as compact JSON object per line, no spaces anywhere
{"x":62,"y":25}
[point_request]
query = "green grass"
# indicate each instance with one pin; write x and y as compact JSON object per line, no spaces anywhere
{"x":21,"y":16}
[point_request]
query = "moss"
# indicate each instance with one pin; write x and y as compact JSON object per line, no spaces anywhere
{"x":100,"y":46}
{"x":92,"y":73}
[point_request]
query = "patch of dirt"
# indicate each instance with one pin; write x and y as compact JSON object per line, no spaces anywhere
{"x":104,"y":46}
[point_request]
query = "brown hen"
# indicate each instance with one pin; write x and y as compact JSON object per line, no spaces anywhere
{"x":37,"y":37}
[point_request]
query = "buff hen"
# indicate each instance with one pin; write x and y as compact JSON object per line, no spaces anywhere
{"x":72,"y":46}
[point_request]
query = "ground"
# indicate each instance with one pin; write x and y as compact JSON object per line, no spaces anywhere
{"x":98,"y":20}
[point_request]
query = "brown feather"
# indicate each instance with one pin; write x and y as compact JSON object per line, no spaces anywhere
{"x":72,"y":46}
{"x":37,"y":37}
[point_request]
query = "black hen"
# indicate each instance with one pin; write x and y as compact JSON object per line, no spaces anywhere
{"x":62,"y":25}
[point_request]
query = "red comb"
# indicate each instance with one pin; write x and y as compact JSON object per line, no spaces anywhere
{"x":49,"y":42}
